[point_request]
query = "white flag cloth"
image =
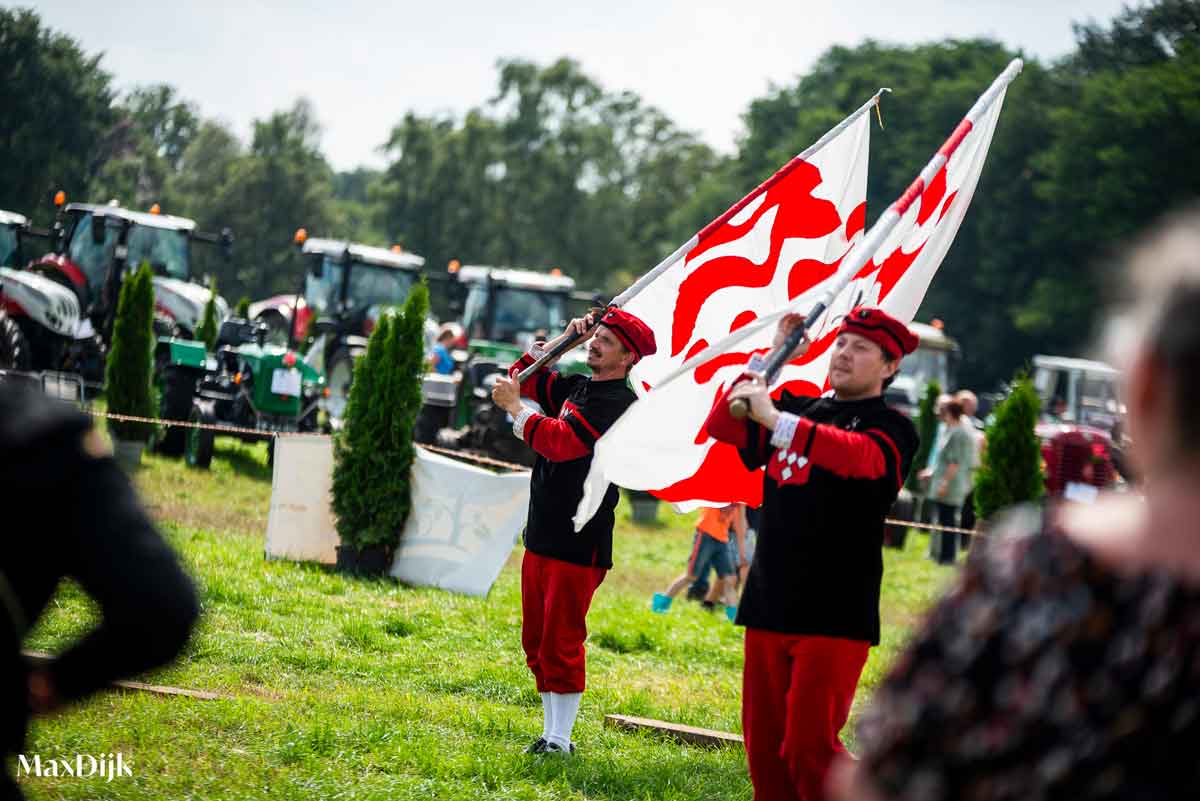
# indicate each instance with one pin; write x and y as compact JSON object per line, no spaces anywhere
{"x":659,"y":443}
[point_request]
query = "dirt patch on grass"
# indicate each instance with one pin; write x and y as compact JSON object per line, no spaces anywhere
{"x":217,"y":519}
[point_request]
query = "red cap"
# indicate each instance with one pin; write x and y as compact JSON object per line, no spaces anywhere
{"x":881,"y":328}
{"x":635,"y":335}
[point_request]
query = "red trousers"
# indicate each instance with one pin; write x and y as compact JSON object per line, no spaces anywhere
{"x":555,"y":597}
{"x":796,"y":696}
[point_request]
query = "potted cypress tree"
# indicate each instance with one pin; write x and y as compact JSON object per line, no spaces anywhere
{"x":908,"y":505}
{"x":374,"y":451}
{"x":129,"y":367}
{"x":643,"y":506}
{"x":1011,"y":471}
{"x":242,"y":309}
{"x":207,"y":331}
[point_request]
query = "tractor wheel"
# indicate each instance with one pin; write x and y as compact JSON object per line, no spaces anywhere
{"x":198,"y":451}
{"x":339,"y":372}
{"x":175,"y":403}
{"x":15,"y":353}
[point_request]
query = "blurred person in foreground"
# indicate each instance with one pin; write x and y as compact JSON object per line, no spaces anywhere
{"x":71,"y":512}
{"x":1065,"y":661}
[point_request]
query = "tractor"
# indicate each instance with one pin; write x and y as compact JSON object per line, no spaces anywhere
{"x":503,"y":312}
{"x":1081,"y":425}
{"x":94,"y":247}
{"x":247,"y":383}
{"x":33,"y":308}
{"x":347,"y":286}
{"x":936,"y":359}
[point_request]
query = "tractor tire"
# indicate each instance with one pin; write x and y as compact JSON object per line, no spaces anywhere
{"x":175,"y":403}
{"x":339,"y":373}
{"x":15,"y":353}
{"x":198,"y":451}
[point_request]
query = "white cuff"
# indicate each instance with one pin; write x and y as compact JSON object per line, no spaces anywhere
{"x":785,"y":430}
{"x":536,"y":352}
{"x":520,"y":420}
{"x":756,"y":364}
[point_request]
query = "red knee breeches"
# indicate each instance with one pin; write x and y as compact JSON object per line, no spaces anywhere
{"x":555,"y":597}
{"x":796,"y":696}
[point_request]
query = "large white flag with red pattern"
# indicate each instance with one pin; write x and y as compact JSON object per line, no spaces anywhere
{"x":717,"y":310}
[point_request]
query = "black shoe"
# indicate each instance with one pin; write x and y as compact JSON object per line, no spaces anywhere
{"x":555,"y":748}
{"x":538,"y":746}
{"x":709,"y":605}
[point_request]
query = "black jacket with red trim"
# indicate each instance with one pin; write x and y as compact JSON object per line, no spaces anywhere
{"x":578,"y":411}
{"x":818,"y":563}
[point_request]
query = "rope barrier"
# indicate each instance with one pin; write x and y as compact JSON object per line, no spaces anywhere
{"x":463,"y":455}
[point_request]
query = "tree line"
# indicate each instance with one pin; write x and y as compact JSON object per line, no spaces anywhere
{"x":556,"y":170}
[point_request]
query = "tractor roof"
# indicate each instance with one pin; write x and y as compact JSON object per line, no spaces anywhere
{"x":1083,"y":365}
{"x":166,"y":221}
{"x":364,"y":253}
{"x":932,"y":337}
{"x":12,"y":218}
{"x":525,"y":279}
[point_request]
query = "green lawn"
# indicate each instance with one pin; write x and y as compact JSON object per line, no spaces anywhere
{"x":345,"y":688}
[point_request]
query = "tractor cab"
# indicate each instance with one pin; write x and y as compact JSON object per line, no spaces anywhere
{"x":97,"y":245}
{"x":14,"y":229}
{"x":935,"y":359}
{"x":1081,"y":425}
{"x":504,"y":311}
{"x":347,"y":286}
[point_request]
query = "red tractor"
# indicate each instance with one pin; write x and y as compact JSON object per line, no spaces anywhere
{"x":1081,"y":425}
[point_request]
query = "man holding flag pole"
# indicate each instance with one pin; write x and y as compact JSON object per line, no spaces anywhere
{"x":811,"y":604}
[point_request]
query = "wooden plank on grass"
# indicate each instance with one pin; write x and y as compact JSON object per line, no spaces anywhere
{"x":42,"y":658}
{"x":692,"y":735}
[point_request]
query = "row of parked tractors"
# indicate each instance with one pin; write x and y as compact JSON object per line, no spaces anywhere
{"x":286,"y":367}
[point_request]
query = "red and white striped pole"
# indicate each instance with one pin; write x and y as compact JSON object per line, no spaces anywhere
{"x":869,"y":244}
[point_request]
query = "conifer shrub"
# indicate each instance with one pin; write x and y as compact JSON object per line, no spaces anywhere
{"x":1011,"y":472}
{"x":243,"y":308}
{"x":374,"y":451}
{"x":926,"y":428}
{"x":128,"y":373}
{"x":206,"y":332}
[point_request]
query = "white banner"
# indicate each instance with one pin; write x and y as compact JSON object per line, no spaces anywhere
{"x":464,"y":523}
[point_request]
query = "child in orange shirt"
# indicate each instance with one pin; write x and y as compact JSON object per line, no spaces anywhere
{"x":710,"y":546}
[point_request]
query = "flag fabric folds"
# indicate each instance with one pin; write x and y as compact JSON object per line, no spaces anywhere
{"x":716,"y":310}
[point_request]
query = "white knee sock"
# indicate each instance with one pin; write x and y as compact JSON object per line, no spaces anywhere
{"x":566,"y":707}
{"x":547,"y":715}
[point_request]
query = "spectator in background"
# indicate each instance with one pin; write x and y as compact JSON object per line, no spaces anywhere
{"x":52,"y":459}
{"x":928,"y":510}
{"x":1063,"y":663}
{"x":974,"y":427}
{"x":949,"y":480}
{"x":710,"y":546}
{"x":440,"y":361}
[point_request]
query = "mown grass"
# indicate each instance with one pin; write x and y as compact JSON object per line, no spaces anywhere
{"x":346,"y":688}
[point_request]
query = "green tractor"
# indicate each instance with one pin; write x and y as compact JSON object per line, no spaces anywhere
{"x":247,"y":384}
{"x":503,"y":311}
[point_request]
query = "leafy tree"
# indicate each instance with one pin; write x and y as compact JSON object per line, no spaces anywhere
{"x":206,"y":332}
{"x":128,"y":372}
{"x":1011,"y":472}
{"x":374,"y":452}
{"x":56,"y":114}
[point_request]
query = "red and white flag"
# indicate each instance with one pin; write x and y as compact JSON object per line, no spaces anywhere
{"x":778,"y":255}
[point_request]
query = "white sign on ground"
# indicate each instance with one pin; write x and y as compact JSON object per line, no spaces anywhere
{"x":463,"y":526}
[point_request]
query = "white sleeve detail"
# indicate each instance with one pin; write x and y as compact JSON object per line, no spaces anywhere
{"x":520,"y":420}
{"x":536,"y":352}
{"x":785,"y":430}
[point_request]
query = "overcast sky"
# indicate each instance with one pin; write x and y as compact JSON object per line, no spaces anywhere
{"x":364,"y":63}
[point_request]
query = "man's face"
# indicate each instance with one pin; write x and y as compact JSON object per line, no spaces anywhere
{"x":606,"y":353}
{"x":857,"y":367}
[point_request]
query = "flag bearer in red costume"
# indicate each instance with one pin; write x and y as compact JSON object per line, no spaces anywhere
{"x":811,"y":602}
{"x":562,"y":569}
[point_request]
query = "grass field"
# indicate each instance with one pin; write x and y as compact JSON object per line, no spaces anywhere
{"x":345,"y":688}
